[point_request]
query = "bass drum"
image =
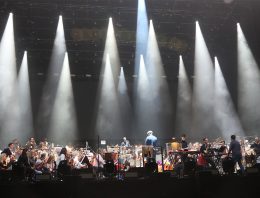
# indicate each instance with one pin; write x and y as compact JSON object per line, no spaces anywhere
{"x":228,"y":165}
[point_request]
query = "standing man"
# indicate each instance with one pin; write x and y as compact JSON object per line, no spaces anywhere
{"x":184,"y":144}
{"x":150,"y":140}
{"x":235,"y":149}
{"x":125,"y":142}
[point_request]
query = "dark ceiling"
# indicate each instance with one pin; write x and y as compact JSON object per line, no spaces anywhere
{"x":85,"y":23}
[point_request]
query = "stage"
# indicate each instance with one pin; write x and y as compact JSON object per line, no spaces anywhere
{"x":160,"y":185}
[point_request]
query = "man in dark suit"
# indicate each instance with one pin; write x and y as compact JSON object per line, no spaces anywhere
{"x":9,"y":150}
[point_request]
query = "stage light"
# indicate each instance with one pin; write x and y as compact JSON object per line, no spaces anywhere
{"x":184,"y":100}
{"x":226,"y":117}
{"x":8,"y":89}
{"x":63,"y":124}
{"x":203,"y":90}
{"x":248,"y":85}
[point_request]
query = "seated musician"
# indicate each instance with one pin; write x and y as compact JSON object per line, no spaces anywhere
{"x":5,"y":162}
{"x":23,"y":162}
{"x":98,"y":163}
{"x":256,"y":146}
{"x":44,"y":144}
{"x":222,"y":151}
{"x":9,"y":151}
{"x":205,"y":152}
{"x":31,"y":144}
{"x":63,"y":163}
{"x":40,"y":165}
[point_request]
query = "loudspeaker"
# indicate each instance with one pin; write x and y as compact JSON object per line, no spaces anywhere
{"x":131,"y":174}
{"x":252,"y":171}
{"x":134,"y":173}
{"x":86,"y":175}
{"x":43,"y":177}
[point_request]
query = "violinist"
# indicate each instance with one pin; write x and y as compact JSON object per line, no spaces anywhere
{"x":40,"y":165}
{"x":9,"y":151}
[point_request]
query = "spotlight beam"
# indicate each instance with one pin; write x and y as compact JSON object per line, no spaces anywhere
{"x":226,"y":116}
{"x":24,"y":95}
{"x":51,"y":85}
{"x":184,"y":101}
{"x":63,"y":126}
{"x":203,"y":91}
{"x":8,"y":88}
{"x":248,"y":85}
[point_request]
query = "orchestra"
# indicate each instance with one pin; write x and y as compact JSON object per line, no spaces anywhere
{"x":45,"y":158}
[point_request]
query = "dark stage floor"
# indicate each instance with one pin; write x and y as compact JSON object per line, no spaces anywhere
{"x":204,"y":185}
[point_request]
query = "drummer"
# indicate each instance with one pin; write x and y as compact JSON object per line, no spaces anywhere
{"x":175,"y":145}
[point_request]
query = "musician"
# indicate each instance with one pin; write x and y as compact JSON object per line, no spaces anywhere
{"x":150,"y":140}
{"x":23,"y":159}
{"x":184,"y":144}
{"x":9,"y":151}
{"x":31,"y":144}
{"x":62,"y":156}
{"x":40,"y":165}
{"x":256,"y":146}
{"x":23,"y":162}
{"x":235,"y":149}
{"x":62,"y":163}
{"x":16,"y":144}
{"x":125,"y":142}
{"x":5,"y":162}
{"x":222,"y":149}
{"x":44,"y":144}
{"x":98,"y":164}
{"x":205,"y":152}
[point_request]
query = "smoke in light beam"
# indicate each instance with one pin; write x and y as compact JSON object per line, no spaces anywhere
{"x":145,"y":118}
{"x":63,"y":126}
{"x":112,"y":50}
{"x":50,"y":88}
{"x":24,"y":96}
{"x":108,"y":123}
{"x":184,"y":101}
{"x":8,"y":75}
{"x":203,"y":91}
{"x":226,"y":116}
{"x":159,"y":91}
{"x":248,"y":86}
{"x":141,"y":33}
{"x":124,"y":104}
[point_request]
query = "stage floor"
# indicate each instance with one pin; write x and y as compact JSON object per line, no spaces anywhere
{"x":204,"y":185}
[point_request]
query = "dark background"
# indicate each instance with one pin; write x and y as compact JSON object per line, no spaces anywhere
{"x":85,"y":23}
